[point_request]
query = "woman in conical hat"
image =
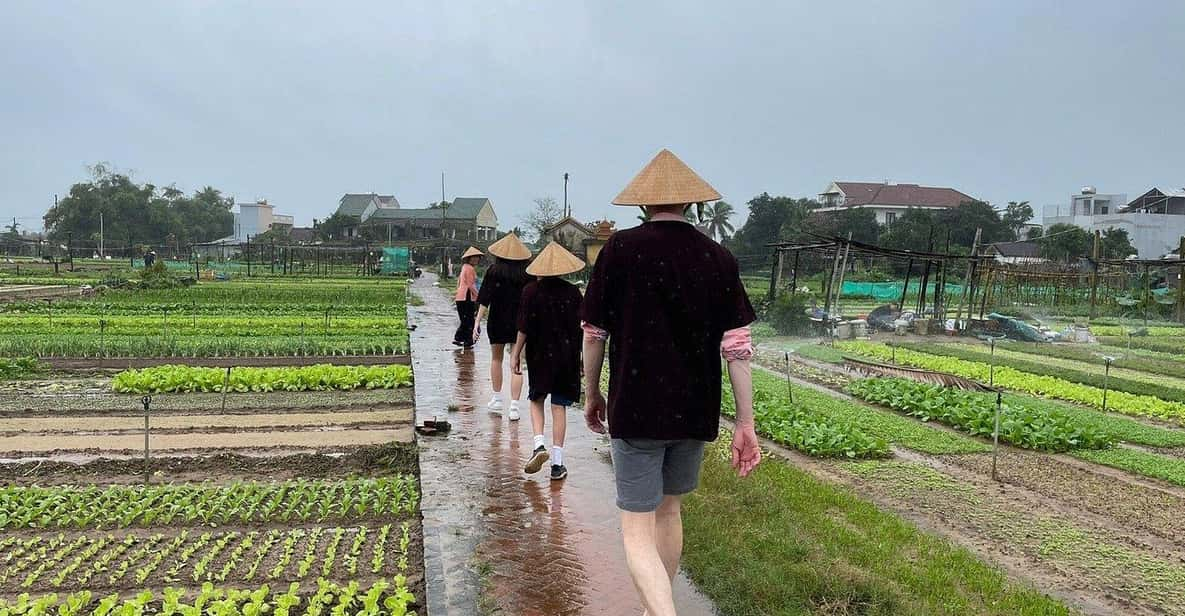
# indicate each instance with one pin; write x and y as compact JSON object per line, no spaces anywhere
{"x":500,"y":291}
{"x":549,"y":332}
{"x":466,"y":297}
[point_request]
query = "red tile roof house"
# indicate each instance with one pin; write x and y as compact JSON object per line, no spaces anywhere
{"x":888,"y":201}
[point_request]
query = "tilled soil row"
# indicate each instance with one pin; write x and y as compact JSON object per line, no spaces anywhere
{"x":1126,"y":501}
{"x":257,"y":442}
{"x":35,"y":402}
{"x":219,"y":467}
{"x":208,"y":422}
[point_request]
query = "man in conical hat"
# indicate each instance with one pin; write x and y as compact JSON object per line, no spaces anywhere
{"x":549,"y":330}
{"x":671,"y":302}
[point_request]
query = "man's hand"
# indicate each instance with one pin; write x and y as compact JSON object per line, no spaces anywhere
{"x":746,"y":451}
{"x":476,"y":332}
{"x":594,"y":411}
{"x":516,"y":364}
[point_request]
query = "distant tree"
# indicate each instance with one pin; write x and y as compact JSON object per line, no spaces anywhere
{"x":1116,"y":244}
{"x":1015,"y":215}
{"x":911,"y":231}
{"x":334,"y":227}
{"x":770,"y":219}
{"x":1065,"y":242}
{"x":436,"y":205}
{"x":546,"y":213}
{"x":962,"y":221}
{"x":142,"y":212}
{"x":859,"y":222}
{"x":11,"y":238}
{"x":716,"y":217}
{"x":1034,"y":233}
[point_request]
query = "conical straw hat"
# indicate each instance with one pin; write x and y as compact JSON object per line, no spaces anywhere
{"x":555,"y":260}
{"x":510,"y":248}
{"x":472,"y":252}
{"x":666,"y":181}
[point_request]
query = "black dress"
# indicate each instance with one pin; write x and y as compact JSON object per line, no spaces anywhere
{"x":549,"y":315}
{"x":500,"y":295}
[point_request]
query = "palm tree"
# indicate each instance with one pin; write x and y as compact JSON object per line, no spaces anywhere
{"x":716,"y":217}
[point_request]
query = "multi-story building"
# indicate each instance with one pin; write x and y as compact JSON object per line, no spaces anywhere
{"x":888,"y":201}
{"x":1154,"y":221}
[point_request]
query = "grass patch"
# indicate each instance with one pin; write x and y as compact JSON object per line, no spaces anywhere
{"x":819,"y":352}
{"x":873,"y":422}
{"x":1173,"y":345}
{"x":782,"y":542}
{"x":1145,"y":463}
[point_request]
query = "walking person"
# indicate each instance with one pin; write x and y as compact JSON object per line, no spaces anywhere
{"x":466,"y":297}
{"x":669,"y":300}
{"x":501,"y":288}
{"x":549,"y":332}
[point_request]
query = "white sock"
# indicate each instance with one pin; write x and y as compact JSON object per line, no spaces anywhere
{"x":538,"y":441}
{"x":557,"y":455}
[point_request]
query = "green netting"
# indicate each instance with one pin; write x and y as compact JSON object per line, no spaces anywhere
{"x":884,"y":291}
{"x":396,"y":260}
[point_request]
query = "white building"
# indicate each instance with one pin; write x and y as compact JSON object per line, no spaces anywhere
{"x":888,"y":201}
{"x":253,"y":219}
{"x":1155,"y":221}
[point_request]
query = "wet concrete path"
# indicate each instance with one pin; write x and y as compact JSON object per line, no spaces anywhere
{"x":497,"y":541}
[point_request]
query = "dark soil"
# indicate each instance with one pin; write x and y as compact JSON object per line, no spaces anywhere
{"x":219,"y":467}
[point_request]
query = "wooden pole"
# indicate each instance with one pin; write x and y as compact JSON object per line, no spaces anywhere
{"x":967,"y":286}
{"x":905,"y":289}
{"x":921,"y":305}
{"x":778,"y":271}
{"x":1094,"y":275}
{"x":773,"y":276}
{"x":831,"y":281}
{"x":1181,"y":282}
{"x":794,"y":274}
{"x":843,"y":266}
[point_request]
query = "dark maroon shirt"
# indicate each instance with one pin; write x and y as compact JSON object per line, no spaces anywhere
{"x":549,"y":315}
{"x":666,"y":293}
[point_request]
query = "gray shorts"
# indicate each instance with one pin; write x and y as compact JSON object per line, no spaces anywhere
{"x":646,"y":469}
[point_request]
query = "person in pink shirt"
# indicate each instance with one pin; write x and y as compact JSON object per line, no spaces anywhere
{"x":466,"y":297}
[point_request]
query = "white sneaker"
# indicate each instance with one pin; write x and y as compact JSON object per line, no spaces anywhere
{"x":513,"y":410}
{"x":495,"y":404}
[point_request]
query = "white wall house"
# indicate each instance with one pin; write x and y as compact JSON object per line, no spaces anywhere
{"x":888,"y":201}
{"x":1155,"y":221}
{"x":255,"y":218}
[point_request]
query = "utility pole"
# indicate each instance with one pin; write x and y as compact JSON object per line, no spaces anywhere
{"x":566,"y":211}
{"x":100,"y":235}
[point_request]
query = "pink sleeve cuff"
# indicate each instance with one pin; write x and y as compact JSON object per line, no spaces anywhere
{"x":737,"y":344}
{"x":592,"y":333}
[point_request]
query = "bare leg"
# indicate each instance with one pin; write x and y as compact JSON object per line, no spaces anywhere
{"x":516,"y":386}
{"x":638,"y":530}
{"x":497,"y":351}
{"x":537,"y":419}
{"x":559,"y":423}
{"x":669,"y":532}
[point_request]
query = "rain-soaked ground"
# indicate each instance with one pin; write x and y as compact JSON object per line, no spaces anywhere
{"x":498,"y":541}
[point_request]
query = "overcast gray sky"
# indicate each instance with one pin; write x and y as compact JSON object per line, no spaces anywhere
{"x":300,"y":102}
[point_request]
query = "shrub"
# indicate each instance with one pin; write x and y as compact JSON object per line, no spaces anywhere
{"x":788,"y":314}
